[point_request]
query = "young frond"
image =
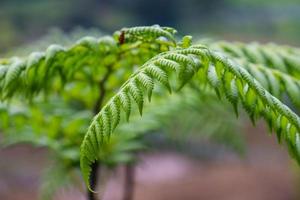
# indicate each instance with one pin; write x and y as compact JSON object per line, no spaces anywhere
{"x":146,"y":33}
{"x":226,"y":76}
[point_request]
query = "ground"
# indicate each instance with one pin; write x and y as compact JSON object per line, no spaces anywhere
{"x":265,"y":173}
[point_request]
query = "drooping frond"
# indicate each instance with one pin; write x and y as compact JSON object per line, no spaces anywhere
{"x":59,"y":65}
{"x":227,"y":77}
{"x":275,"y":81}
{"x":38,"y":71}
{"x":275,"y":67}
{"x":282,"y":58}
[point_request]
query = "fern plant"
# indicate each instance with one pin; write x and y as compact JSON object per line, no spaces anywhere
{"x":108,"y":76}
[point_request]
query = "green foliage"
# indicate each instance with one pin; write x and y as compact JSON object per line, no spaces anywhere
{"x":58,"y":65}
{"x":228,"y":78}
{"x":67,"y":85}
{"x":276,"y":67}
{"x":283,"y":58}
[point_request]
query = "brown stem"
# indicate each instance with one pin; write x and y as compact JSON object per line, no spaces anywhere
{"x":129,"y":182}
{"x":93,"y":181}
{"x":102,"y":91}
{"x":95,"y":167}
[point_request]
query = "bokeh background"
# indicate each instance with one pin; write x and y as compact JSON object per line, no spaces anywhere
{"x":266,"y":20}
{"x":263,"y":171}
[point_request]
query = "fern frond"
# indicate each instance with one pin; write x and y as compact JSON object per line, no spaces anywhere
{"x":256,"y":100}
{"x":283,"y":58}
{"x":29,"y":75}
{"x":59,"y":65}
{"x":275,"y":67}
{"x":275,"y":81}
{"x":146,"y":33}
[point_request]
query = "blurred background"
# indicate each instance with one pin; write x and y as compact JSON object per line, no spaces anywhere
{"x":261,"y":170}
{"x":265,"y":20}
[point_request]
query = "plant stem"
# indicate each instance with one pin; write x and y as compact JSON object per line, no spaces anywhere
{"x":95,"y":167}
{"x":102,"y":91}
{"x":93,"y":181}
{"x":129,"y":182}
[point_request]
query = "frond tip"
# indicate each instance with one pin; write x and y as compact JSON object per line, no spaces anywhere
{"x":227,"y":77}
{"x":147,"y":33}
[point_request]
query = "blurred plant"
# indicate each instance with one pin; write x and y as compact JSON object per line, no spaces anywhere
{"x":67,"y":86}
{"x":54,"y":36}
